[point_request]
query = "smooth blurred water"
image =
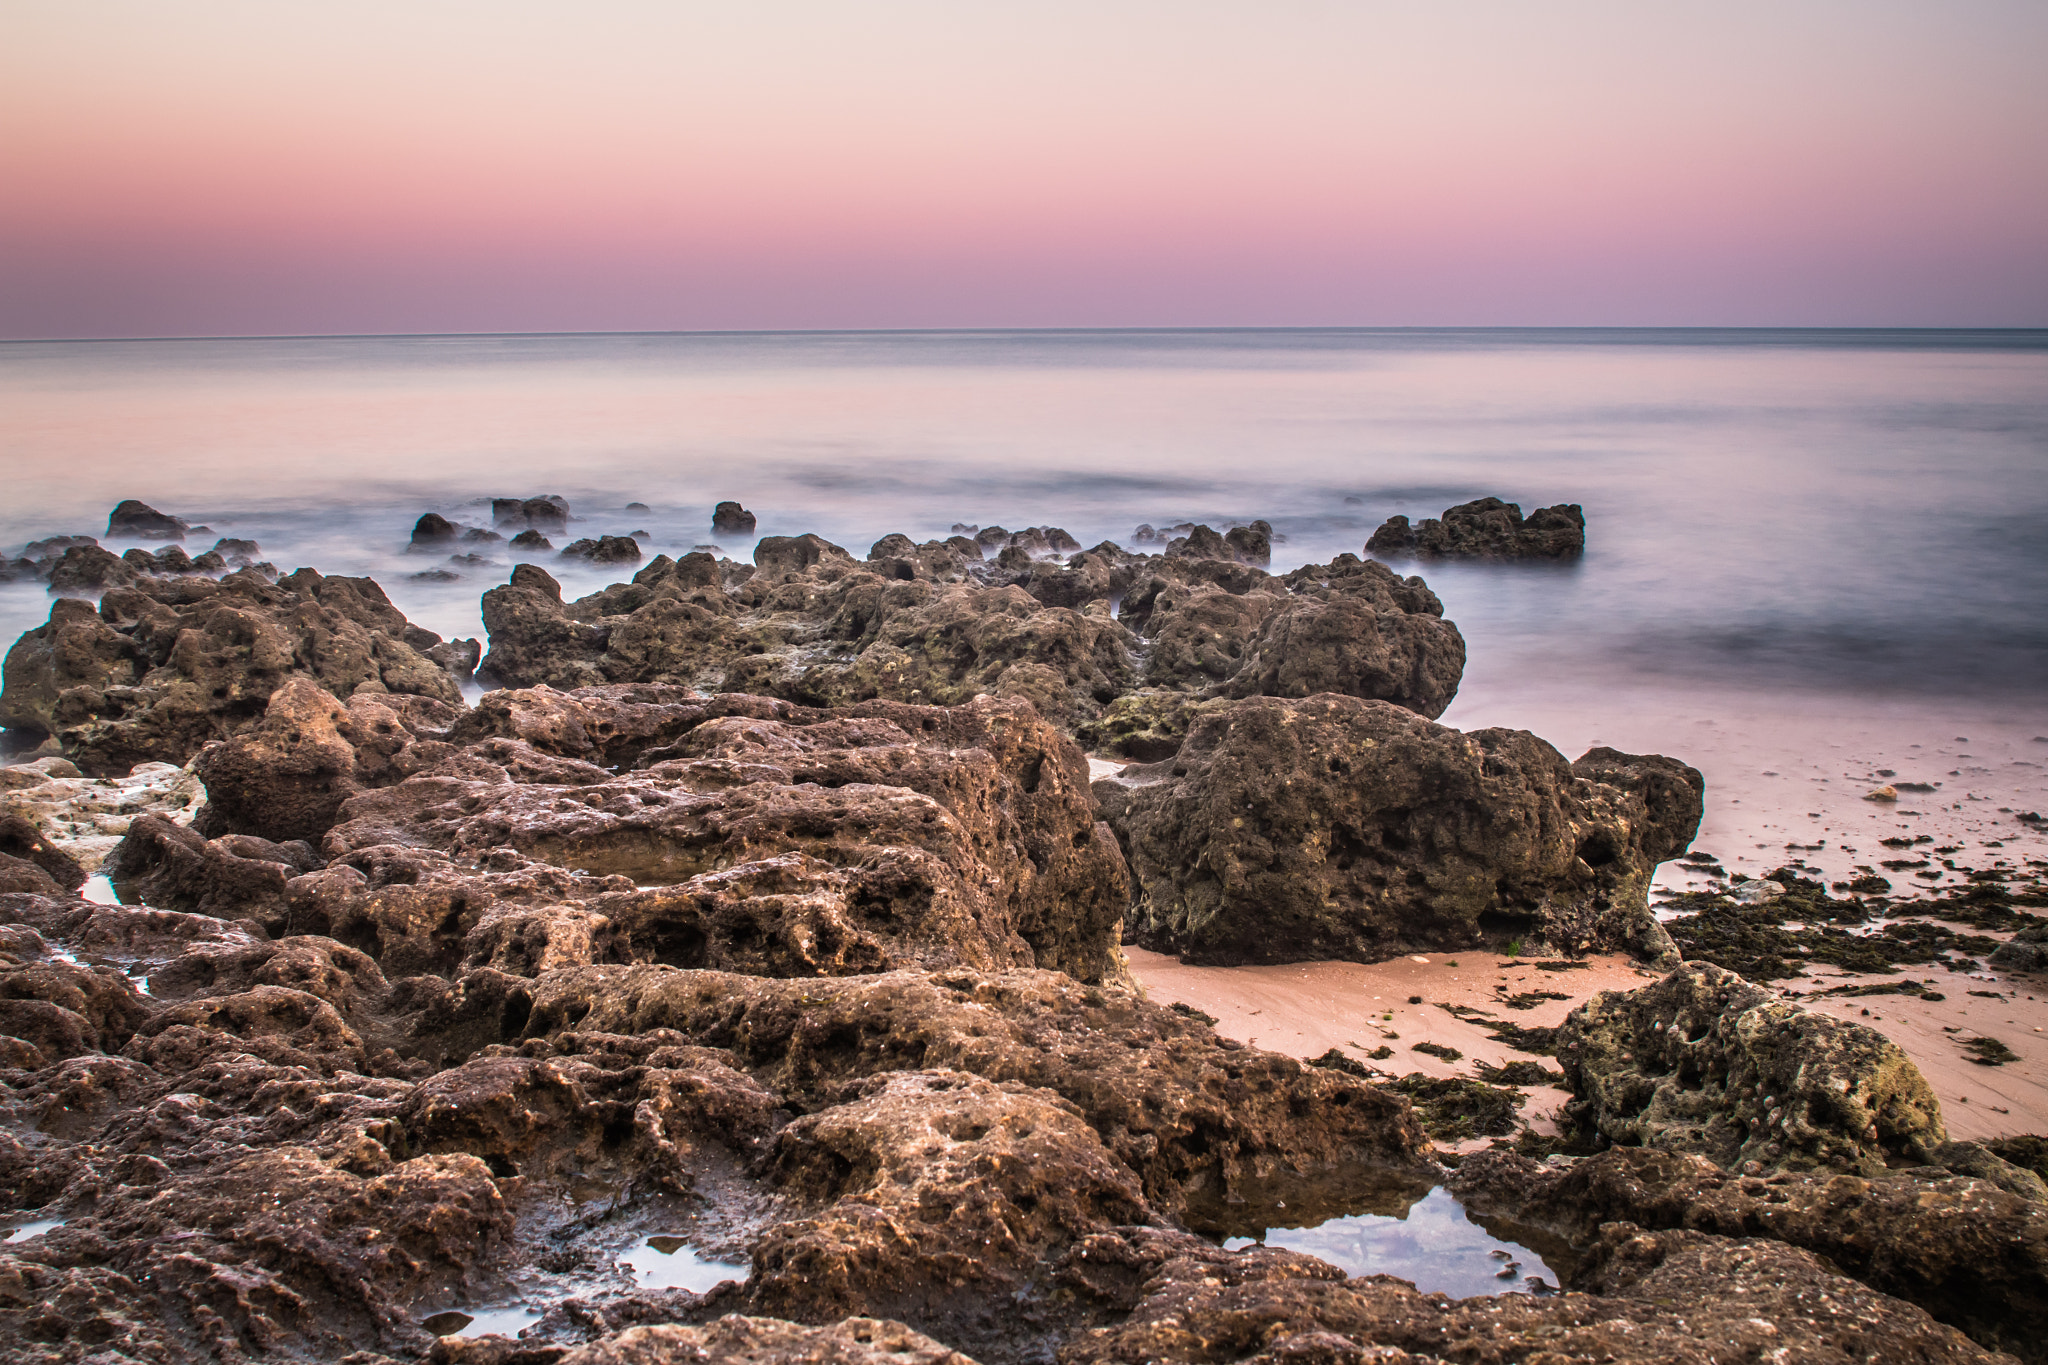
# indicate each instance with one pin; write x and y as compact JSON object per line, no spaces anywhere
{"x":1822,"y":512}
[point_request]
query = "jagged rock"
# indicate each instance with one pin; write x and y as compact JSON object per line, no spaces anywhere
{"x":167,"y":665}
{"x":1652,"y":1297}
{"x":1203,"y":1122}
{"x":532,"y":541}
{"x":744,"y":1340}
{"x":1335,"y":827}
{"x":929,"y":624}
{"x":935,"y":1187}
{"x":1704,"y":1062}
{"x":924,"y":835}
{"x":1967,"y":1252}
{"x":133,"y":520}
{"x":173,"y":867}
{"x":1486,"y":529}
{"x":88,"y":569}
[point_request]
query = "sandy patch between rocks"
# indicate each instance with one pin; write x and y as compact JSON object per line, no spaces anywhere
{"x":1303,"y":1009}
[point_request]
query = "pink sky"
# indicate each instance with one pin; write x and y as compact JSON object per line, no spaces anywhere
{"x":506,"y":165}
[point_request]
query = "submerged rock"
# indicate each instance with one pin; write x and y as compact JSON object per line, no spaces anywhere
{"x":1486,"y":529}
{"x":1333,"y":827}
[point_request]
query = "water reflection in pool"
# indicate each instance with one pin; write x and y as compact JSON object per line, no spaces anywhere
{"x":1435,"y":1244}
{"x":670,"y":1263}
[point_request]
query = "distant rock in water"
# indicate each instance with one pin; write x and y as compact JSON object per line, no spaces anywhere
{"x":132,"y":520}
{"x":1486,"y":529}
{"x":432,"y":531}
{"x":1335,"y":827}
{"x":729,"y":518}
{"x":605,"y":550}
{"x":531,"y":541}
{"x":550,"y":513}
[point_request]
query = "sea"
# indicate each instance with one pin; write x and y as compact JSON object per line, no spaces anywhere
{"x":1811,"y":555}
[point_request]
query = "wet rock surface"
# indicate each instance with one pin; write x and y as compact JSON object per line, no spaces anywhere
{"x":1485,"y":528}
{"x":1338,"y":828}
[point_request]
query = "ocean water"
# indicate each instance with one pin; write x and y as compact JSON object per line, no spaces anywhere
{"x":1820,"y":524}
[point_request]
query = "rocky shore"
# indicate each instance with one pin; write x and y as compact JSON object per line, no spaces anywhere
{"x":744,"y":976}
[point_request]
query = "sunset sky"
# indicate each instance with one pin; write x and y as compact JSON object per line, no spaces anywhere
{"x":282,"y":166}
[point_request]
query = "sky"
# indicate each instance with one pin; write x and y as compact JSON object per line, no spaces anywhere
{"x":238,"y":167}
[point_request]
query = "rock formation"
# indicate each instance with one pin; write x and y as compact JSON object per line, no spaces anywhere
{"x":1286,"y":830}
{"x":932,"y":624}
{"x":1486,"y":529}
{"x":165,"y":665}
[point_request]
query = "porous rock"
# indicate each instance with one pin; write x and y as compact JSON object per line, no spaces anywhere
{"x":166,"y":665}
{"x":931,"y":624}
{"x":786,"y":839}
{"x":1334,"y":827}
{"x":1705,"y":1062}
{"x":1969,"y":1253}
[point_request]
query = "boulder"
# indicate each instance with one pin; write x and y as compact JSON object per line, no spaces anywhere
{"x":1334,"y":827}
{"x":1486,"y":528}
{"x":1704,"y":1062}
{"x":133,"y":520}
{"x":604,"y":550}
{"x":536,"y":515}
{"x":731,"y":519}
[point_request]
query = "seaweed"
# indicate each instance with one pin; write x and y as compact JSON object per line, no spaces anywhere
{"x":1443,"y":1050}
{"x":1518,"y":1073}
{"x":1989,"y":1051}
{"x":1529,"y":1000}
{"x":1333,"y":1060}
{"x":1180,"y":1007}
{"x":1454,"y":1110}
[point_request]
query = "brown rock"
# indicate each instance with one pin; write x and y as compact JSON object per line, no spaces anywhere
{"x":1335,"y":827}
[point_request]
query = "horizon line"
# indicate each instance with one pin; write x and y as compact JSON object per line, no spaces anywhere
{"x":993,"y":330}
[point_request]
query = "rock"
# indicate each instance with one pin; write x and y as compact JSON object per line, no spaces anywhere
{"x":604,"y":550}
{"x":1963,"y":1250}
{"x":22,"y":841}
{"x":166,"y":666}
{"x":532,"y":541}
{"x":1884,"y":793}
{"x":1334,"y":827}
{"x":1649,"y":1297}
{"x":287,"y":777}
{"x":935,"y":1186}
{"x":1204,"y":1123}
{"x":731,"y":519}
{"x":929,"y":624}
{"x":746,"y":1340}
{"x":172,"y":867}
{"x":1486,"y":529}
{"x":1705,"y":1062}
{"x":87,"y":569}
{"x":929,"y":836}
{"x":535,"y":515}
{"x":432,"y":531}
{"x":132,"y":520}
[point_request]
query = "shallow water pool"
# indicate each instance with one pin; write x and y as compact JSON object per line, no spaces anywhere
{"x":670,"y":1263}
{"x":1435,"y":1244}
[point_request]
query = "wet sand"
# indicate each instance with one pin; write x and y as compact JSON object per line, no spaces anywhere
{"x":1304,"y":1009}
